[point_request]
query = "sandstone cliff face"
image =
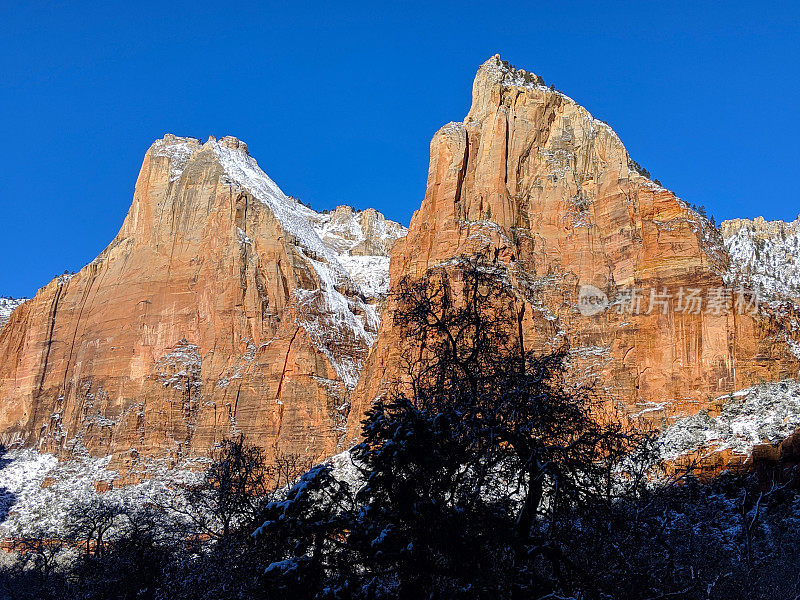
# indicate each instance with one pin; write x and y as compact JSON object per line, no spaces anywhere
{"x":221,"y":306}
{"x":533,"y":180}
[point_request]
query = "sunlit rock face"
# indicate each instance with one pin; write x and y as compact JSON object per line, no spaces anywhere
{"x":222,"y":306}
{"x":225,"y":306}
{"x":534,"y":181}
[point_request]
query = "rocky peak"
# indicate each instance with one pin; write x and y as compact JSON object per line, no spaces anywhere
{"x":759,"y":227}
{"x":335,"y":238}
{"x":359,"y":233}
{"x":528,"y":157}
{"x":534,"y":181}
{"x":221,"y":306}
{"x":233,"y":143}
{"x":498,"y":73}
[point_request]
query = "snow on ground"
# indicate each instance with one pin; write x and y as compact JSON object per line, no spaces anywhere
{"x":370,"y":273}
{"x":37,"y":491}
{"x":765,"y":413}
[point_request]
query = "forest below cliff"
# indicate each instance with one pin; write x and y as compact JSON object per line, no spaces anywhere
{"x":484,"y":473}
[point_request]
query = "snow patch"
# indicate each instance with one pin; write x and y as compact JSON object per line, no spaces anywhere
{"x":177,"y":150}
{"x":37,"y":491}
{"x":7,"y":306}
{"x":766,"y":413}
{"x":180,"y":368}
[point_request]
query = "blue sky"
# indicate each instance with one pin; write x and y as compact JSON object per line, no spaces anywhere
{"x":338,"y":101}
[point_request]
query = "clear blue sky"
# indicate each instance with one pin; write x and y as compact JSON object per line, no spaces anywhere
{"x":338,"y":101}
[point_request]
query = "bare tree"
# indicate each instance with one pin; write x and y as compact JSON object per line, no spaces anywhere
{"x":89,"y":523}
{"x":232,"y":493}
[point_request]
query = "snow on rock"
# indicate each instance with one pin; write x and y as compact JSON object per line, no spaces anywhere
{"x":765,"y":413}
{"x":370,"y":273}
{"x":7,"y":306}
{"x":347,"y":250}
{"x":180,"y":368}
{"x":361,"y":241}
{"x":764,"y":256}
{"x":177,"y":150}
{"x":343,"y":468}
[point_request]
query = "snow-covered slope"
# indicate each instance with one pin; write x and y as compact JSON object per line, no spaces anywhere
{"x":37,"y":490}
{"x":7,"y":306}
{"x":764,"y":256}
{"x":362,"y":241}
{"x":765,"y":413}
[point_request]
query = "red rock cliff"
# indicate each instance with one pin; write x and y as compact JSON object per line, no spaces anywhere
{"x":217,"y":308}
{"x":531,"y":178}
{"x":224,"y":306}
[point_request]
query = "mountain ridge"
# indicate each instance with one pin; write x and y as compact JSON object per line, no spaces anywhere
{"x":224,"y":306}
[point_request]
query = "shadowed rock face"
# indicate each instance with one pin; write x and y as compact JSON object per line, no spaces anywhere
{"x":533,"y":180}
{"x":217,"y":308}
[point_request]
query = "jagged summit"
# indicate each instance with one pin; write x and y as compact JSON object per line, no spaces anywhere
{"x":550,"y":128}
{"x":762,"y":225}
{"x":346,"y":250}
{"x":340,"y":242}
{"x":501,"y":71}
{"x":497,"y":82}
